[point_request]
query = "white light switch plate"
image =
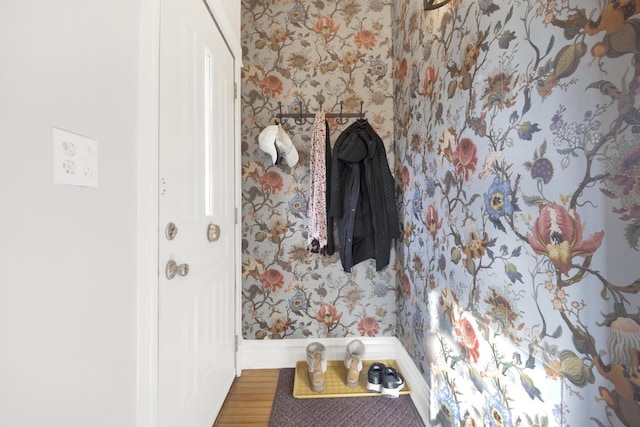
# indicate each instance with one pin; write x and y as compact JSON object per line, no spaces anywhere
{"x":75,"y":159}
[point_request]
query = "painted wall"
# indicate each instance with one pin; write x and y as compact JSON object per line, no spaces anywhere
{"x":67,"y":276}
{"x":311,"y":53}
{"x":517,"y":147}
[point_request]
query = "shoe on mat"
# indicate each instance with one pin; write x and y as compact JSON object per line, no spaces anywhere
{"x":316,"y":365}
{"x":353,"y":362}
{"x":392,"y":383}
{"x":374,"y":377}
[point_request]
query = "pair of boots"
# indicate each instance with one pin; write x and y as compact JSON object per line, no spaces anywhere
{"x":317,"y":364}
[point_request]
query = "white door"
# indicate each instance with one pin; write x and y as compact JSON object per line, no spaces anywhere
{"x":196,"y":307}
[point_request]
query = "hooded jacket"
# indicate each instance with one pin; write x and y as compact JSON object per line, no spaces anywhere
{"x":363,"y":197}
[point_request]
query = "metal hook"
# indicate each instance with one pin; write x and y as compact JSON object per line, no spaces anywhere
{"x":340,"y":119}
{"x":300,"y":120}
{"x":279,"y":115}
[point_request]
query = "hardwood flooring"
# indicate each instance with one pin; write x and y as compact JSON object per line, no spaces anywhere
{"x":249,"y":401}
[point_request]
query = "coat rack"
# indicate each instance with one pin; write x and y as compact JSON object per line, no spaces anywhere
{"x":301,"y":118}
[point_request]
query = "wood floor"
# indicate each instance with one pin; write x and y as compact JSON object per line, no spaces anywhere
{"x":249,"y":401}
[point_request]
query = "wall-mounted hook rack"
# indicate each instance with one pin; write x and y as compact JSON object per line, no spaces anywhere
{"x":301,"y":118}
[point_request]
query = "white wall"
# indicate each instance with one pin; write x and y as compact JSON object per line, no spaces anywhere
{"x":67,"y":254}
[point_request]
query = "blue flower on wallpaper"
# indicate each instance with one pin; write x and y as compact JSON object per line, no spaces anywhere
{"x":557,"y":122}
{"x":376,"y":5}
{"x":497,"y":412}
{"x":530,"y":387}
{"x":378,"y":68}
{"x":505,"y":38}
{"x":298,"y":206}
{"x":298,"y":302}
{"x":449,"y":411}
{"x":418,"y":324}
{"x":297,"y":15}
{"x":527,"y":129}
{"x":417,"y":204}
{"x":380,"y":290}
{"x":415,"y":81}
{"x":426,"y":52}
{"x":431,"y":187}
{"x":487,"y":7}
{"x":512,"y":272}
{"x":498,"y":202}
{"x":442,"y":264}
{"x":559,"y":412}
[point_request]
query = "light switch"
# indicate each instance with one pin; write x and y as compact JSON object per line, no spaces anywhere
{"x":75,"y":159}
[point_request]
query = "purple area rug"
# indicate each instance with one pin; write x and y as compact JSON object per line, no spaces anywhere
{"x":369,"y":411}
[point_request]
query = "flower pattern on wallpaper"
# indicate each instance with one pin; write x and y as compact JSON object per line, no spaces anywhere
{"x":518,"y":157}
{"x":307,"y":54}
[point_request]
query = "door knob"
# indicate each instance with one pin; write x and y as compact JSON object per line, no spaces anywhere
{"x":173,"y":269}
{"x":213,"y":232}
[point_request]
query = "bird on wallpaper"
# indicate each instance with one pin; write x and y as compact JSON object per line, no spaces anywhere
{"x":529,"y":387}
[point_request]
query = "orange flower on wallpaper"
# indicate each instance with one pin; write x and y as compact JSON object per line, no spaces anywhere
{"x":365,"y":39}
{"x":369,"y":327}
{"x":434,"y":222}
{"x":406,"y":286}
{"x":278,"y":229}
{"x":557,"y":233}
{"x":465,"y":158}
{"x":271,"y":85}
{"x":468,"y":338}
{"x":352,"y":103}
{"x":325,"y":26}
{"x":403,"y":70}
{"x":348,"y":60}
{"x":272,"y":280}
{"x":445,"y":150}
{"x":430,"y":78}
{"x":328,"y":315}
{"x":272,"y":182}
{"x":405,"y":177}
{"x":476,"y":247}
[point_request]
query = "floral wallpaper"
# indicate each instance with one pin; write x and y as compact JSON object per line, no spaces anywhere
{"x":518,"y":158}
{"x":307,"y":54}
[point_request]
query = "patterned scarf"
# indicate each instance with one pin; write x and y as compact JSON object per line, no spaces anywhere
{"x":317,"y":210}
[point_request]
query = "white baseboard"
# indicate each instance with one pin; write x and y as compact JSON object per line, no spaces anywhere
{"x":276,"y":354}
{"x":420,"y":390}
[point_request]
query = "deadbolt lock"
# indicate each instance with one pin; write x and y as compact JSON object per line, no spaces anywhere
{"x":170,"y":231}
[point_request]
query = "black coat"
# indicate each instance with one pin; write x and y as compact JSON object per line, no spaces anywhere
{"x":363,"y":197}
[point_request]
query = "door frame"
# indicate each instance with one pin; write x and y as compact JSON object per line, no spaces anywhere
{"x":147,"y":187}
